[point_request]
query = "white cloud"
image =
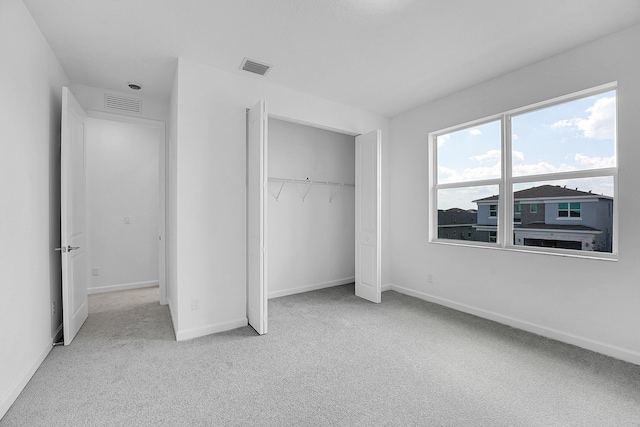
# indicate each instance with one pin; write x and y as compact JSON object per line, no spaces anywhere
{"x":564,"y":123}
{"x":517,"y":156}
{"x":446,"y":174}
{"x":469,"y":174}
{"x":489,"y":155}
{"x":540,"y":168}
{"x":514,"y":137}
{"x":601,"y":121}
{"x":599,"y":125}
{"x":443,"y":139}
{"x":595,"y":162}
{"x":475,"y":132}
{"x":477,"y":174}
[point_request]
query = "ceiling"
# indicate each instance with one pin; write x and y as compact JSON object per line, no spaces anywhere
{"x":384,"y":56}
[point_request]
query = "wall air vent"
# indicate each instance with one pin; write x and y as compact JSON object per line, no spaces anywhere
{"x":120,"y":103}
{"x":254,"y":66}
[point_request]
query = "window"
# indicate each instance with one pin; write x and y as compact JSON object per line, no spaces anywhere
{"x":557,"y":156}
{"x":569,"y":210}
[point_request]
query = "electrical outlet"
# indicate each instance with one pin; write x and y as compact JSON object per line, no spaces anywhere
{"x":195,"y":304}
{"x":95,"y":271}
{"x":430,"y":278}
{"x":53,"y":308}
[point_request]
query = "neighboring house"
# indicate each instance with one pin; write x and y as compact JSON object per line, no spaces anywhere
{"x":456,"y":223}
{"x":554,"y":217}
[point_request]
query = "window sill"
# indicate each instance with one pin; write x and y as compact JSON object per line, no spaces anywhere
{"x":598,"y":256}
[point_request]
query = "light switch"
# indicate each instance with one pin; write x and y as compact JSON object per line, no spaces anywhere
{"x":127,"y":220}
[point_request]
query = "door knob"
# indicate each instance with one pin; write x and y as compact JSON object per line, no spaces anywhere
{"x":67,"y":248}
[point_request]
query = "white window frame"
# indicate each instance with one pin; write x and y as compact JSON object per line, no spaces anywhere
{"x":506,"y":182}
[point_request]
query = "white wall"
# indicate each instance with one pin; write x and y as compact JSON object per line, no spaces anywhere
{"x":311,"y":242}
{"x":122,"y":181}
{"x":587,"y":302}
{"x":31,"y":81}
{"x":209,"y":178}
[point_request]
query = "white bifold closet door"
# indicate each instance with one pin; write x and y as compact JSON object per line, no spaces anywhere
{"x":368,"y":209}
{"x":257,"y":181}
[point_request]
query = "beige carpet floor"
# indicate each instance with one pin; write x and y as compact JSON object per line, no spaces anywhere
{"x":330,"y":359}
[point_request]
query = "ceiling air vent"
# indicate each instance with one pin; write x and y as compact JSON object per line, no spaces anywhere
{"x":254,"y":66}
{"x":114,"y":102}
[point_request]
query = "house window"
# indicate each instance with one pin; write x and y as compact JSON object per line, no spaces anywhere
{"x":569,"y":210}
{"x":561,"y":152}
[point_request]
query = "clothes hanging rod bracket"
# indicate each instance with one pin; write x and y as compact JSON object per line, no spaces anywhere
{"x":308,"y":189}
{"x":310,"y":183}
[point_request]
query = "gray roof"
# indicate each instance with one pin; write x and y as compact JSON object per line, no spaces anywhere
{"x":544,"y":191}
{"x":560,"y":227}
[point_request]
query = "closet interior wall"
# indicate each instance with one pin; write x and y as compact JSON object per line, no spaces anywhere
{"x":310,"y":224}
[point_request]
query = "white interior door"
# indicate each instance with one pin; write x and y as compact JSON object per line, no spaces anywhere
{"x":73,"y":217}
{"x":257,"y":217}
{"x":368,"y":209}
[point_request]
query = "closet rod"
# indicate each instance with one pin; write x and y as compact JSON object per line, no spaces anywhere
{"x":310,"y":181}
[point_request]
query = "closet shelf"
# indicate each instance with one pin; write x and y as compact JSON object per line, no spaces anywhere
{"x":310,"y":181}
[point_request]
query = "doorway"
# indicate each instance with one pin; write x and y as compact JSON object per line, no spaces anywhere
{"x":125,"y":203}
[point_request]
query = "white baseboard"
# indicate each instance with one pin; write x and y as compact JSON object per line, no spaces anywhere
{"x":19,"y":385}
{"x":586,"y":343}
{"x":387,"y":287}
{"x":189,"y":334}
{"x":122,"y":287}
{"x":313,"y":287}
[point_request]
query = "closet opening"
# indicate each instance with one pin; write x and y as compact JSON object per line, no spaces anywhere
{"x":298,"y":243}
{"x":311,"y":208}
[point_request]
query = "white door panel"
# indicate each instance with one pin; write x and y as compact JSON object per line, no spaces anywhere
{"x":368,"y":208}
{"x":73,"y":217}
{"x":257,"y":218}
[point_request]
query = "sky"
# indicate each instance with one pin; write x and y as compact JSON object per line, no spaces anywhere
{"x":576,"y":135}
